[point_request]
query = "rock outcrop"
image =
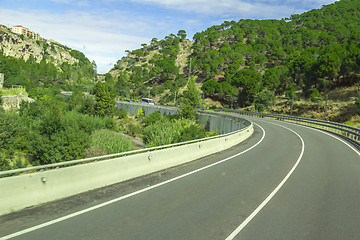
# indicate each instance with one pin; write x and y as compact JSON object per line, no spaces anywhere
{"x":17,"y":46}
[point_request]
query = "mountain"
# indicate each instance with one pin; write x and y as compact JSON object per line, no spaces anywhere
{"x":250,"y":62}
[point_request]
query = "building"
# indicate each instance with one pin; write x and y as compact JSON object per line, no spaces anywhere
{"x":25,"y":31}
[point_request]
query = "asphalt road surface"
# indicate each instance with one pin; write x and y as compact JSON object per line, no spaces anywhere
{"x":285,"y":182}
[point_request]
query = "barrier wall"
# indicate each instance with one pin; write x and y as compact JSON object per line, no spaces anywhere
{"x":212,"y":123}
{"x":30,"y":189}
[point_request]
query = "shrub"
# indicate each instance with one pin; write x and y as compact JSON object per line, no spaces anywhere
{"x":357,"y":100}
{"x":191,"y":133}
{"x":167,"y":131}
{"x":110,"y":123}
{"x":153,"y":118}
{"x":121,"y":113}
{"x":263,"y":100}
{"x":109,"y":142}
{"x":315,"y":96}
{"x":140,"y":113}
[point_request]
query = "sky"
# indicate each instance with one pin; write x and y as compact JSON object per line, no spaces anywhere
{"x":104,"y":29}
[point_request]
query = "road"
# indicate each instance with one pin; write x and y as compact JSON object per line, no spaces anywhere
{"x":285,"y":182}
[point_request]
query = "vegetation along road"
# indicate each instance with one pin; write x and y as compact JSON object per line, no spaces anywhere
{"x":285,"y":182}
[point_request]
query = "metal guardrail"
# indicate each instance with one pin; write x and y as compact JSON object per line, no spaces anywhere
{"x":110,"y":156}
{"x":344,"y":130}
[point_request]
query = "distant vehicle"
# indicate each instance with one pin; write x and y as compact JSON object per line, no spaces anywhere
{"x":147,"y":101}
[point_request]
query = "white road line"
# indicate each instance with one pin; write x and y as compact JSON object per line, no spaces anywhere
{"x":331,"y":134}
{"x":272,"y":194}
{"x":128,"y":195}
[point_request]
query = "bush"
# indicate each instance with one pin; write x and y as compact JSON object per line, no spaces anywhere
{"x":315,"y":96}
{"x":357,"y":100}
{"x":263,"y":100}
{"x":166,"y":132}
{"x":110,"y":123}
{"x":140,"y":114}
{"x":121,"y":113}
{"x":190,"y":133}
{"x":153,"y":118}
{"x":105,"y":141}
{"x":133,"y":129}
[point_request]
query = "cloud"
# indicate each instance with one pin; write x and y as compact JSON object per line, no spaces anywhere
{"x":102,"y":39}
{"x":241,"y":8}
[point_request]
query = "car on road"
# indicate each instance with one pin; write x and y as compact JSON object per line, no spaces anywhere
{"x":147,"y":101}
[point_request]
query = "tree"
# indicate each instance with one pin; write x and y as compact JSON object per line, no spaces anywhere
{"x":263,"y":100}
{"x":105,"y":100}
{"x":192,"y":93}
{"x":181,"y":34}
{"x":209,"y":87}
{"x":186,"y":109}
{"x":249,"y":83}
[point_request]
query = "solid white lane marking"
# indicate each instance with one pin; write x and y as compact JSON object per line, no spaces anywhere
{"x":332,"y":135}
{"x":272,"y":194}
{"x":129,"y":195}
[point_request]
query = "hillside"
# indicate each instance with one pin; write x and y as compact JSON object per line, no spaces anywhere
{"x":35,"y":63}
{"x":18,"y":46}
{"x":252,"y":62}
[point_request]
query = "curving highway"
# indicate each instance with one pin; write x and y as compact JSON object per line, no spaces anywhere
{"x":285,"y":182}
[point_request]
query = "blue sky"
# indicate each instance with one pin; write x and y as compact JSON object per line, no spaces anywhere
{"x":104,"y":29}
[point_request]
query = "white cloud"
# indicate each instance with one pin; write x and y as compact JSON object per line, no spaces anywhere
{"x":241,"y":8}
{"x":102,"y":39}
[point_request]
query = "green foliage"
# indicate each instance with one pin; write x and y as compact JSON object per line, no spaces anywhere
{"x":191,"y":95}
{"x":210,"y":87}
{"x":121,"y":113}
{"x":105,"y":100}
{"x":45,"y":131}
{"x":190,"y":133}
{"x":105,"y":141}
{"x":33,"y":75}
{"x":171,"y":131}
{"x":315,"y":96}
{"x":263,"y":100}
{"x":58,"y":138}
{"x":187,"y":110}
{"x":140,"y":114}
{"x":249,"y":83}
{"x":357,"y":100}
{"x":153,"y":118}
{"x":13,"y":133}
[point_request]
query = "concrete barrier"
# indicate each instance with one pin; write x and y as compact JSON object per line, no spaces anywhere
{"x":30,"y":189}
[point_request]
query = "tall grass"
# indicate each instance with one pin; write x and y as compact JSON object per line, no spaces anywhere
{"x":167,"y":131}
{"x":105,"y":141}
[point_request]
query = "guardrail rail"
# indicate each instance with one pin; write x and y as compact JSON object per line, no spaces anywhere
{"x":349,"y":132}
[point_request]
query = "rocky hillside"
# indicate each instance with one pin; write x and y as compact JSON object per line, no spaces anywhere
{"x":17,"y":46}
{"x":38,"y":65}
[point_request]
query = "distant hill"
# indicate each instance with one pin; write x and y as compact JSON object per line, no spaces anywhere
{"x":246,"y":62}
{"x":37,"y":63}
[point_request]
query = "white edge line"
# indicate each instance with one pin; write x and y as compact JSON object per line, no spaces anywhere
{"x":329,"y":133}
{"x":31,"y":229}
{"x":262,"y":205}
